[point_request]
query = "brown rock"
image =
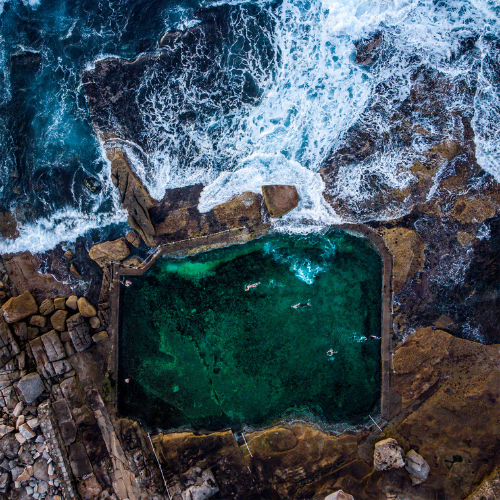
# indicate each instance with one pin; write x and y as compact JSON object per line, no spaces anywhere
{"x":65,"y":337}
{"x":134,"y":196}
{"x":21,"y":330}
{"x":280,"y":199}
{"x":58,"y":320}
{"x":8,"y":226}
{"x":95,"y":323}
{"x":32,"y":332}
{"x":133,"y":238}
{"x":79,"y":460}
{"x":241,"y":210}
{"x":79,"y":331}
{"x":367,"y":50}
{"x":38,"y":321}
{"x":18,"y":308}
{"x":72,"y":302}
{"x":52,"y":345}
{"x":86,"y":309}
{"x":68,"y":254}
{"x":43,"y":365}
{"x":132,"y":262}
{"x":99,"y":337}
{"x":388,"y":455}
{"x":75,"y":272}
{"x":59,"y":303}
{"x":465,"y":238}
{"x":47,"y":307}
{"x":109,"y":251}
{"x":40,"y":469}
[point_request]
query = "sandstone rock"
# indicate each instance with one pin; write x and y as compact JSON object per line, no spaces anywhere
{"x":58,"y":320}
{"x":68,"y":254}
{"x":43,"y":364}
{"x":244,"y":209}
{"x":132,"y":262}
{"x":27,"y":431}
{"x":38,"y":321}
{"x":40,"y":469}
{"x":33,"y":332}
{"x":8,"y":346}
{"x":75,"y":272}
{"x":133,"y":238}
{"x":9,"y":446}
{"x":99,"y":337}
{"x":5,"y":429}
{"x":134,"y":197}
{"x":280,"y":199}
{"x":79,"y":330}
{"x":95,"y":323}
{"x":85,"y":308}
{"x":388,"y":455}
{"x":109,"y":251}
{"x":60,"y":303}
{"x":18,"y":308}
{"x":52,"y":345}
{"x":21,"y":330}
{"x":417,"y":467}
{"x":4,"y":482}
{"x":64,"y":336}
{"x":18,"y":409}
{"x":79,"y":460}
{"x":72,"y":302}
{"x":47,"y":307}
{"x":31,"y":386}
{"x":339,"y":495}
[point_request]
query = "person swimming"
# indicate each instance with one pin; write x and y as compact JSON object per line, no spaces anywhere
{"x":301,"y":304}
{"x":331,"y":352}
{"x":253,"y":285}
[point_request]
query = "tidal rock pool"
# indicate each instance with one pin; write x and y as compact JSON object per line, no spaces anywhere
{"x":282,"y":327}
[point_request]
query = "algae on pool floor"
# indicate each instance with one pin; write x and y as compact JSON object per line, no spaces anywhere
{"x":202,"y":349}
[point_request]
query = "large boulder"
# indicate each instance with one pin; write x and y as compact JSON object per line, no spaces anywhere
{"x":109,"y":251}
{"x":85,"y":308}
{"x":58,"y":320}
{"x":245,"y":209}
{"x":18,"y":308}
{"x":280,"y":199}
{"x":31,"y":386}
{"x":79,"y":331}
{"x":388,"y":455}
{"x":417,"y":467}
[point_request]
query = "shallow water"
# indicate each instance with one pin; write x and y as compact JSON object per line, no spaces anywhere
{"x":309,"y":89}
{"x":202,"y":351}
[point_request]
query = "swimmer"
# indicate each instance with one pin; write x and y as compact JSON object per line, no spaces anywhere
{"x":374,"y":337}
{"x":253,"y":285}
{"x":127,"y":380}
{"x":331,"y":352}
{"x":301,"y":304}
{"x":128,"y":283}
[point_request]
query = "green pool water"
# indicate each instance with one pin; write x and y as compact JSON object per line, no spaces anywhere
{"x":201,"y":350}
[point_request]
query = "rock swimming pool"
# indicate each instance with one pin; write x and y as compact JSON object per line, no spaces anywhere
{"x":281,"y":327}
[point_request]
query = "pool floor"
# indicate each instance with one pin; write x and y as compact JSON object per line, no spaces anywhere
{"x":214,"y":340}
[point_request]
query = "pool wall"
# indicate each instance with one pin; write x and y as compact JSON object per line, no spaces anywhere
{"x":240,"y":236}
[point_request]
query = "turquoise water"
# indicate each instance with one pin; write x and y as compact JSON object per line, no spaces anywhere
{"x":203,"y":349}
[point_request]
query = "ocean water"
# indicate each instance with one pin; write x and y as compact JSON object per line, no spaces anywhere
{"x":200,"y":348}
{"x":292,"y":90}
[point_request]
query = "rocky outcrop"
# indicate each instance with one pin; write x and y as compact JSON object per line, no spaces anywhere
{"x":8,"y":226}
{"x":109,"y":251}
{"x":388,"y":455}
{"x":280,"y":199}
{"x":134,"y":196}
{"x":18,"y":308}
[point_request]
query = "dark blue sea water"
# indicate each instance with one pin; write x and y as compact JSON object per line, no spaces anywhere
{"x":309,"y":92}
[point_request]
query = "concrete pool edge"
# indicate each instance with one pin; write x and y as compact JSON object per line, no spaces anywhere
{"x":240,"y":236}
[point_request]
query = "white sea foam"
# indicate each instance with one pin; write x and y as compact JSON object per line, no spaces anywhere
{"x":63,"y":225}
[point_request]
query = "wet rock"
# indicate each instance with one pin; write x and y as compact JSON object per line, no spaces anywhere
{"x":9,"y":446}
{"x":47,"y":307}
{"x":388,"y":455}
{"x":52,"y":345}
{"x":79,"y":331}
{"x":367,"y":50}
{"x":68,"y":254}
{"x":280,"y":199}
{"x":109,"y":251}
{"x":72,"y":302}
{"x":246,"y":209}
{"x":75,"y":272}
{"x":31,"y":386}
{"x":79,"y":460}
{"x":92,"y":184}
{"x":134,"y":196}
{"x":85,"y":308}
{"x":417,"y":467}
{"x":133,"y":238}
{"x":58,"y":320}
{"x":38,"y":321}
{"x":18,"y":308}
{"x":8,"y":226}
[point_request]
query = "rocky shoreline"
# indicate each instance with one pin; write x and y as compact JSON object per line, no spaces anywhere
{"x":442,"y":437}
